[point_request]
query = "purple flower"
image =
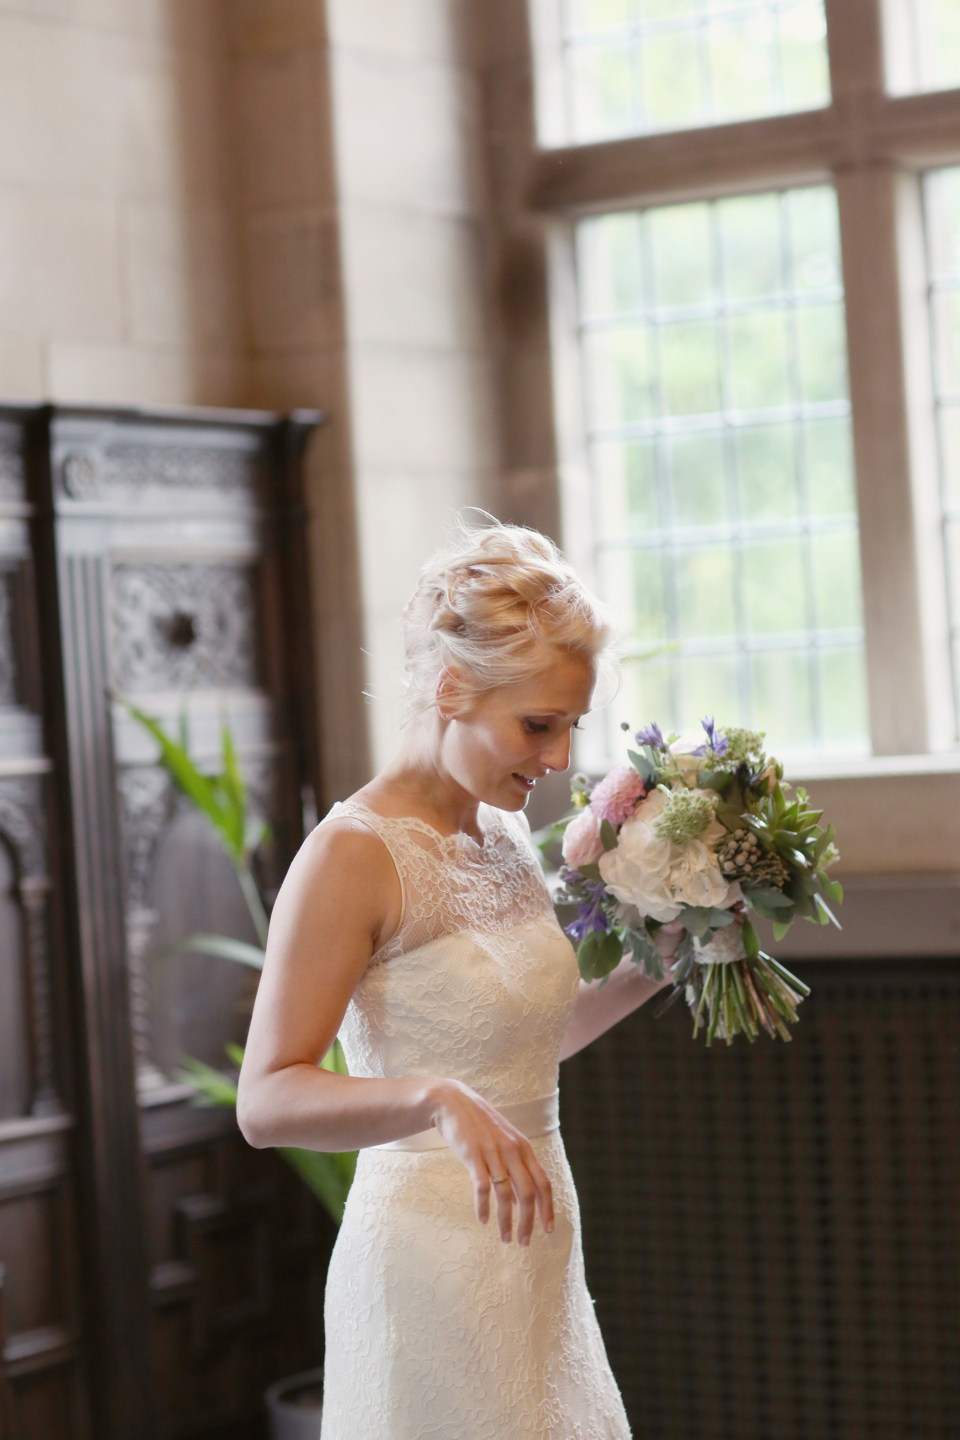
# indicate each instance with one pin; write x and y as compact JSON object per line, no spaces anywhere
{"x":652,"y":736}
{"x":717,"y":743}
{"x":590,"y":914}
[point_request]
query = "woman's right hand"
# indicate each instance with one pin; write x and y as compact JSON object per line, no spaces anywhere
{"x":489,"y":1147}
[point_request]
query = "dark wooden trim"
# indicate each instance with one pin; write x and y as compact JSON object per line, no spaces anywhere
{"x":299,"y":681}
{"x":71,"y":561}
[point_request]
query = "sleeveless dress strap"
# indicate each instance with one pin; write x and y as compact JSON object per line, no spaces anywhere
{"x":381,"y":827}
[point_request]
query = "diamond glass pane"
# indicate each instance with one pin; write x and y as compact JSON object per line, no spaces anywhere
{"x":934,"y":37}
{"x":725,"y":515}
{"x":941,"y":194}
{"x":632,"y":67}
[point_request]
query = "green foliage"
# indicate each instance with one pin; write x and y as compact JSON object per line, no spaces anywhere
{"x":226,"y":947}
{"x":598,"y":953}
{"x":223,"y":800}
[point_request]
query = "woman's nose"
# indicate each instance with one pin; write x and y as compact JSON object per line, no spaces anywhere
{"x":556,"y":755}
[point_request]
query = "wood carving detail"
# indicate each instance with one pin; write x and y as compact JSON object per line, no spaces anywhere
{"x":8,"y":658}
{"x":12,"y":478}
{"x":22,"y":825}
{"x":127,"y":469}
{"x":180,"y":626}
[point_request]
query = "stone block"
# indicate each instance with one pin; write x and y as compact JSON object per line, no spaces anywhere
{"x":407,"y":134}
{"x":76,"y":253}
{"x":421,"y":409}
{"x":413,"y":278}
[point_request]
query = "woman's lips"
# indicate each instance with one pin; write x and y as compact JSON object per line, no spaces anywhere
{"x":524,"y":780}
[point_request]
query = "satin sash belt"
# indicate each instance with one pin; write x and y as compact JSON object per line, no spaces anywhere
{"x":531,"y":1118}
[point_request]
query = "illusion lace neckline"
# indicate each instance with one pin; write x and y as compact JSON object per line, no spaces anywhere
{"x":458,"y":837}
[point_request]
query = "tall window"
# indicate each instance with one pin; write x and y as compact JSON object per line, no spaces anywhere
{"x":942,"y":207}
{"x":725,"y":515}
{"x":750,"y":471}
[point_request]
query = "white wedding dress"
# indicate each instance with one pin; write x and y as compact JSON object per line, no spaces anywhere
{"x":435,"y":1329}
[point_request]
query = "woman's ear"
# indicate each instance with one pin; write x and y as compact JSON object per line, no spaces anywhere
{"x":449,"y":694}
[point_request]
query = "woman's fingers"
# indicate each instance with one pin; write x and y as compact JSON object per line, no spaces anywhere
{"x":668,"y":937}
{"x":514,"y":1175}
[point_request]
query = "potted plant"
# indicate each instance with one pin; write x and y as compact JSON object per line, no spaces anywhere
{"x":293,"y":1403}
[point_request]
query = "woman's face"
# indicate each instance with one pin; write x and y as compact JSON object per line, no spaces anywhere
{"x":508,"y":738}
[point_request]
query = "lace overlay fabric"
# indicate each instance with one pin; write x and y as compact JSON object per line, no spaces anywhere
{"x":434,"y":1328}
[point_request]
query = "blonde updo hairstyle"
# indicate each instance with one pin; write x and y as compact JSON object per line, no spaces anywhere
{"x":489,"y":606}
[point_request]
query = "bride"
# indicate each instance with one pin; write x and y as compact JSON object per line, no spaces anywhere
{"x":416,"y":923}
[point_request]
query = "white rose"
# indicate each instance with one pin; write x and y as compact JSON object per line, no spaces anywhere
{"x":636,"y":871}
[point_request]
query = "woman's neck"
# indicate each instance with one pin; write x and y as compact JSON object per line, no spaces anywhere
{"x":415,"y":783}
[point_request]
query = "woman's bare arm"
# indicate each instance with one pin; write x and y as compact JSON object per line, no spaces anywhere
{"x":600,"y":1005}
{"x":339,"y":902}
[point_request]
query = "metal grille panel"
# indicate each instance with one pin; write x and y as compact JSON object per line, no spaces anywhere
{"x":772,"y":1234}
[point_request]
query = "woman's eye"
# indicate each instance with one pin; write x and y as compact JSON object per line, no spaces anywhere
{"x":536,"y":727}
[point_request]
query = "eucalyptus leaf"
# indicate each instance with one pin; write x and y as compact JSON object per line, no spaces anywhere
{"x":751,"y":944}
{"x":773,"y":899}
{"x":645,"y":954}
{"x":643,"y":765}
{"x":696,"y":919}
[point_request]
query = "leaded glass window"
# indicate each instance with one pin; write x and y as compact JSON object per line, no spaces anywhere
{"x":942,"y":207}
{"x":934,"y":39}
{"x":718,"y":418}
{"x":632,"y":67}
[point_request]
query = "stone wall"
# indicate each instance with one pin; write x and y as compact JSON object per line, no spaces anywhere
{"x":227,"y":202}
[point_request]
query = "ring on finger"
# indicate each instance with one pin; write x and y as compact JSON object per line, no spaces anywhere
{"x":499,"y":1179}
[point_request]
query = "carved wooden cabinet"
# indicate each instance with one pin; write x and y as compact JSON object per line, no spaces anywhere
{"x":155,"y":1273}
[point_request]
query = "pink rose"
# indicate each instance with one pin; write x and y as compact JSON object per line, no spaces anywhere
{"x":616,"y":795}
{"x":581,"y":840}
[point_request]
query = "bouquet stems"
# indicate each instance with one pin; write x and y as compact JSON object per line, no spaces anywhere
{"x":743,"y":997}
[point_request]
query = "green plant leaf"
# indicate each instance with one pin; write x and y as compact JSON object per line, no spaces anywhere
{"x":225,"y":947}
{"x":696,"y":919}
{"x":833,"y":888}
{"x":773,"y":899}
{"x":644,"y":953}
{"x":328,"y":1175}
{"x":643,"y":765}
{"x":751,"y":944}
{"x":780,"y":928}
{"x":335,"y":1060}
{"x":598,"y":953}
{"x":827,"y":916}
{"x":608,"y":836}
{"x":212,"y":1086}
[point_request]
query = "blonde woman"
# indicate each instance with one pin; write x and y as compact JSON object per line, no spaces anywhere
{"x":415,"y":922}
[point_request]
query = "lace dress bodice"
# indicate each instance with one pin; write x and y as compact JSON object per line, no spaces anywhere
{"x":479,"y":981}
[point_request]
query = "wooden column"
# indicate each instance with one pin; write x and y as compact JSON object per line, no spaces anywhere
{"x":72,"y":564}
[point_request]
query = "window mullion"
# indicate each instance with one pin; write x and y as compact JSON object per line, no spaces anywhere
{"x":881,"y":437}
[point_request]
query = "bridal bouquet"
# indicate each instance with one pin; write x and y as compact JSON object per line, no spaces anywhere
{"x":703,"y":836}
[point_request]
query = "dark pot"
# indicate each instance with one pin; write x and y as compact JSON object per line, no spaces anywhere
{"x":294,"y":1406}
